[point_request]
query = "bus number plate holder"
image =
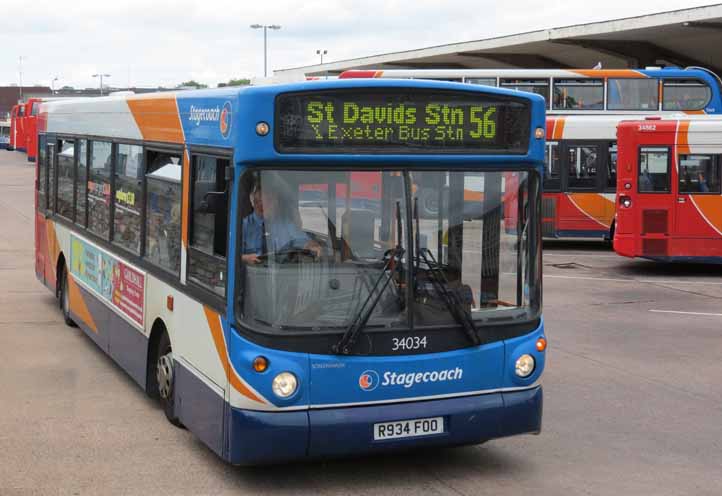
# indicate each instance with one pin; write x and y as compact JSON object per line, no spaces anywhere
{"x":408,"y":428}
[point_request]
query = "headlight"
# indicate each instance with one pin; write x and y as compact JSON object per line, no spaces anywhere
{"x":524,"y":366}
{"x":284,"y":384}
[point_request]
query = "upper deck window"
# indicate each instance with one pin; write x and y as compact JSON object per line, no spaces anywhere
{"x":35,"y":110}
{"x":632,"y":94}
{"x":685,"y":94}
{"x":481,"y":81}
{"x":578,"y":94}
{"x":538,"y":86}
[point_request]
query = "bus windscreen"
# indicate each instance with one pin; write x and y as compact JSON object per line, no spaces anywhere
{"x":394,"y":121}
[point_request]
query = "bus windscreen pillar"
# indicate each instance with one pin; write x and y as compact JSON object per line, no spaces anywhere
{"x":490,"y":238}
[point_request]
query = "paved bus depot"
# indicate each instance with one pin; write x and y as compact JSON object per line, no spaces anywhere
{"x":632,"y":394}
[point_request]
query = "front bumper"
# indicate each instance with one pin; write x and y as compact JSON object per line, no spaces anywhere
{"x":270,"y":437}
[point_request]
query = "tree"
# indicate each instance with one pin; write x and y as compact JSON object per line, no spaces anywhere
{"x":193,"y":84}
{"x":238,"y":82}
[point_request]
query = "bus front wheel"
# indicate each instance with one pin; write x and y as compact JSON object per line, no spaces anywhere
{"x":65,"y":298}
{"x":165,"y":379}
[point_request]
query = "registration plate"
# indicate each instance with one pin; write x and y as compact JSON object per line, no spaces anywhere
{"x":408,"y":428}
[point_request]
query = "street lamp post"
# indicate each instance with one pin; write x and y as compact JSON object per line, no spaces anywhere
{"x":101,"y":76}
{"x":265,"y":43}
{"x":321,"y":53}
{"x":20,"y":70}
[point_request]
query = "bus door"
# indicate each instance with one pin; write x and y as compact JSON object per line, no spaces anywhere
{"x":584,"y":210}
{"x":698,"y":200}
{"x":655,"y":201}
{"x":42,"y":257}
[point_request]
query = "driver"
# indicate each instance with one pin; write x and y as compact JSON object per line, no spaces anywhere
{"x":281,"y":232}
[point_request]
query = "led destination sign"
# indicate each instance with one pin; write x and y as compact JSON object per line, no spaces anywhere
{"x":390,"y":120}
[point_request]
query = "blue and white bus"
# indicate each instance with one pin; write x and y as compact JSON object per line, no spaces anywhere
{"x":176,"y":231}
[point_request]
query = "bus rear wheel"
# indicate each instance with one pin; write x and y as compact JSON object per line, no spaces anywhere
{"x":65,"y":298}
{"x":165,"y":379}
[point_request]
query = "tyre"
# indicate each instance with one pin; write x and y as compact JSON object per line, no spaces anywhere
{"x":165,"y":379}
{"x":64,"y":299}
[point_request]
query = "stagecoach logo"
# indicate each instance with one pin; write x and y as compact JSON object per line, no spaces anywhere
{"x":221,"y":115}
{"x":225,"y":120}
{"x":369,"y":380}
{"x":204,"y":114}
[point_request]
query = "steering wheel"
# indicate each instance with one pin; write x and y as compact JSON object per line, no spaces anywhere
{"x":291,"y":254}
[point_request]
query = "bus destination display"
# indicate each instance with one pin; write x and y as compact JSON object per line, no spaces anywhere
{"x":392,"y":121}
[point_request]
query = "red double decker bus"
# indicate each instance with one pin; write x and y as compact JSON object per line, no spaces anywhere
{"x":669,"y":192}
{"x":30,"y":125}
{"x":16,"y":128}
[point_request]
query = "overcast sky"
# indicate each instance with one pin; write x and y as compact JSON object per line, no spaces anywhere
{"x":164,"y":42}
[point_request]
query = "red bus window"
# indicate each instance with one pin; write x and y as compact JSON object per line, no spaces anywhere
{"x":551,"y":168}
{"x":583,"y":166}
{"x":612,"y":167}
{"x":654,"y":170}
{"x":699,"y":173}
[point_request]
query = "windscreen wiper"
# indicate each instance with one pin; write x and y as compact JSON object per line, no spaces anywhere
{"x":438,"y":279}
{"x":359,"y":321}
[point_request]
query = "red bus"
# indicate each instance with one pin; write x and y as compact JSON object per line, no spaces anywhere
{"x":20,"y":137}
{"x":14,"y":127}
{"x":668,"y":190}
{"x":32,"y":109}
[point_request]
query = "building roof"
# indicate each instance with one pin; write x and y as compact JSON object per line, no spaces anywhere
{"x":688,"y":37}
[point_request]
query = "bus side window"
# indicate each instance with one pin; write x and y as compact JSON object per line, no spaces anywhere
{"x":551,"y":168}
{"x":81,"y":184}
{"x":612,"y":167}
{"x":99,"y":188}
{"x":653,"y":173}
{"x":127,"y":197}
{"x":163,"y":210}
{"x":583,"y":163}
{"x":685,"y":94}
{"x":208,"y":223}
{"x":699,"y":174}
{"x":66,"y":177}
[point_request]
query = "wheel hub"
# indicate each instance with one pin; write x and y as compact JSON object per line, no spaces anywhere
{"x":164,"y":375}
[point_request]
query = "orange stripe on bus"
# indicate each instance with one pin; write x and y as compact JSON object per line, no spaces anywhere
{"x":559,"y":128}
{"x":214,"y":323}
{"x":694,"y":112}
{"x":185,"y":186}
{"x":157,"y":118}
{"x":591,"y":203}
{"x":683,"y":137}
{"x":78,"y":306}
{"x":610,"y":73}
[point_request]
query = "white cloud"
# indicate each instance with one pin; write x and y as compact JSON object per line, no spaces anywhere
{"x":149,"y":43}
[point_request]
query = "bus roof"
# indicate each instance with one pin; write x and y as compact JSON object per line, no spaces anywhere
{"x":667,"y":72}
{"x":227,"y":117}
